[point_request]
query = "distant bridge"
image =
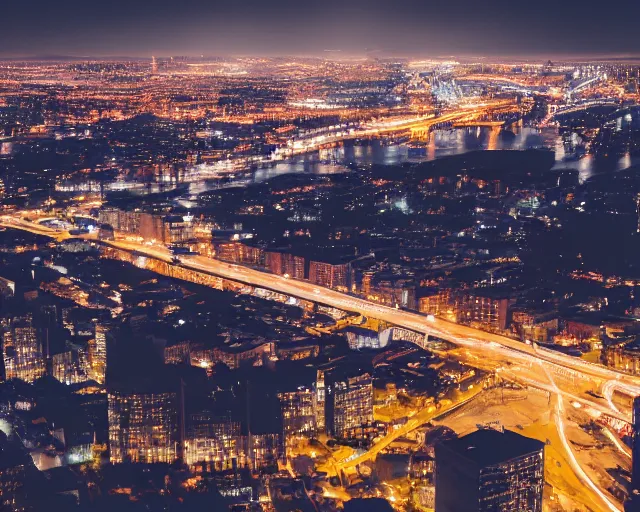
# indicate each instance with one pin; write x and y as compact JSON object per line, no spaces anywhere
{"x":583,"y":105}
{"x":558,"y":110}
{"x":474,"y":124}
{"x":584,"y":83}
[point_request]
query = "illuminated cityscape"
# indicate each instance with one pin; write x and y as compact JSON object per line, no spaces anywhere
{"x":323,"y":257}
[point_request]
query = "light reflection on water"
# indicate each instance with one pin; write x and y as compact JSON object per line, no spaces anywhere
{"x":590,"y":165}
{"x":440,"y":143}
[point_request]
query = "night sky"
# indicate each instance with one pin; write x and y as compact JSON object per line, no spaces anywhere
{"x":426,"y":28}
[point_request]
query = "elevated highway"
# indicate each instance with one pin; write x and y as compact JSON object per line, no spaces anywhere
{"x":474,"y":124}
{"x":494,"y":349}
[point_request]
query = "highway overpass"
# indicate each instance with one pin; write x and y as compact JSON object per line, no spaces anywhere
{"x":500,"y":351}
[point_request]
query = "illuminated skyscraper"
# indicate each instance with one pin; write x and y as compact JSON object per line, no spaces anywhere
{"x":22,"y":351}
{"x":217,"y":443}
{"x":143,"y":427}
{"x":70,"y":367}
{"x":353,"y":404}
{"x":214,"y":441}
{"x":298,"y":414}
{"x":320,"y":404}
{"x":97,"y":354}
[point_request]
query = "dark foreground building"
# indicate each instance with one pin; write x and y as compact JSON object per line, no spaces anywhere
{"x":633,"y":503}
{"x":635,"y":467}
{"x":490,"y":470}
{"x":367,"y":505}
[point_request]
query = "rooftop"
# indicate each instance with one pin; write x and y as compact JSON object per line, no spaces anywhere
{"x":487,"y":447}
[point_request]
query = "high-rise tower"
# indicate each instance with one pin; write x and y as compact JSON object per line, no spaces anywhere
{"x":97,"y":354}
{"x":22,"y":351}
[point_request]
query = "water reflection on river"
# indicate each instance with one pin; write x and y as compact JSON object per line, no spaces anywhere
{"x":439,"y":144}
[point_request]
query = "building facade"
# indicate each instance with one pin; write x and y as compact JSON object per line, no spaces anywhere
{"x":401,"y":292}
{"x":489,"y":471}
{"x":23,"y":352}
{"x":298,"y":414}
{"x":353,"y":404}
{"x":320,"y":402}
{"x":479,"y":308}
{"x":143,"y":427}
{"x":168,"y":229}
{"x":282,"y":263}
{"x":438,"y":303}
{"x":70,"y":367}
{"x":212,"y":441}
{"x":488,"y":312}
{"x":337,"y":277}
{"x":624,"y":356}
{"x":97,"y":354}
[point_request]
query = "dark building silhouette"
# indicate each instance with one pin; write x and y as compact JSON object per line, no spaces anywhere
{"x":633,"y":503}
{"x":367,"y":505}
{"x":490,"y":470}
{"x":635,"y":465}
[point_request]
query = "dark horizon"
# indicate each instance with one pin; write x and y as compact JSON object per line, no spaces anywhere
{"x":340,"y":56}
{"x":143,"y":28}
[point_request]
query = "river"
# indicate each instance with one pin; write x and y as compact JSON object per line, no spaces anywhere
{"x":441,"y":143}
